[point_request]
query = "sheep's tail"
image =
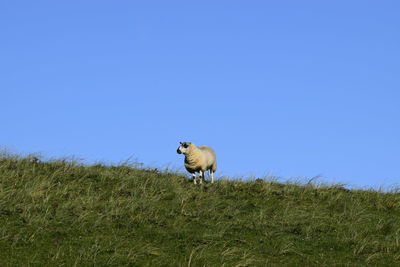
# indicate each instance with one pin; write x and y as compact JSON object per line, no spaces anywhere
{"x":214,"y":167}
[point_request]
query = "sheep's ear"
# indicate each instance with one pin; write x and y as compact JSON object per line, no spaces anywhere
{"x":180,"y":143}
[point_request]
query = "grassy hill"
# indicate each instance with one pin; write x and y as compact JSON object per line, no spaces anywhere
{"x":61,"y":213}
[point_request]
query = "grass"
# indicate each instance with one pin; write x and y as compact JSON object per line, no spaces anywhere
{"x":63,"y":213}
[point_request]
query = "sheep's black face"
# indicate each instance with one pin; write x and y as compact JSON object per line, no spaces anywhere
{"x":182,"y":149}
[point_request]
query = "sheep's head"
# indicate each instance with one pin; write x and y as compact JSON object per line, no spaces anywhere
{"x":183,"y":148}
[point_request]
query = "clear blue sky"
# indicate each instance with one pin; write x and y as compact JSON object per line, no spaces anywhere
{"x":286,"y":88}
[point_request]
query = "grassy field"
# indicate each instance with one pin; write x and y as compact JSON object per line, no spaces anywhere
{"x":61,"y":213}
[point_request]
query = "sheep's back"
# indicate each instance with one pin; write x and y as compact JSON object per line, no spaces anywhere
{"x":209,"y":155}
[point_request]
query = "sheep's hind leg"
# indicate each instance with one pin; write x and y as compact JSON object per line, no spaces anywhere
{"x":212,"y":176}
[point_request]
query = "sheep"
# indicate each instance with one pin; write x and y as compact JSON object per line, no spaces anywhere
{"x":198,"y":159}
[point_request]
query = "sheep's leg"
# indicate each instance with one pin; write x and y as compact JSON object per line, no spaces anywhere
{"x":194,"y":178}
{"x":201,"y":176}
{"x":212,"y":176}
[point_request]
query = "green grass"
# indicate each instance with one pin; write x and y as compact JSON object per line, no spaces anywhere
{"x":61,"y":213}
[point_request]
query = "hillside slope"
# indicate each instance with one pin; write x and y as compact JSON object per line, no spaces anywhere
{"x":63,"y":214}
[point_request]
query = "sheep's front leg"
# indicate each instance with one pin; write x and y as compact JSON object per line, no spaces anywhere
{"x":194,"y":178}
{"x":212,"y":176}
{"x":201,"y":176}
